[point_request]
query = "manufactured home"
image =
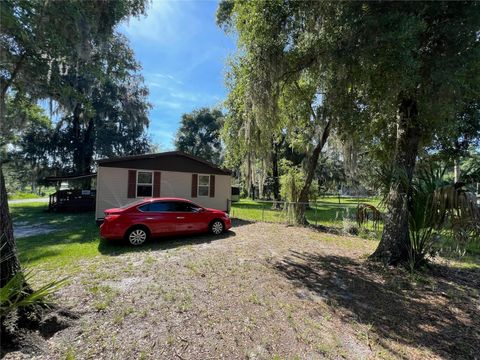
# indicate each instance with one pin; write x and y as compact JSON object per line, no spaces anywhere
{"x":123,"y":180}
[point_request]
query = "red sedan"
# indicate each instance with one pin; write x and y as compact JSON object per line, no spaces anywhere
{"x":140,"y":220}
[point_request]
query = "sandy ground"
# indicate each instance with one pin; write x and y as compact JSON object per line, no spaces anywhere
{"x":262,"y":291}
{"x":24,"y":229}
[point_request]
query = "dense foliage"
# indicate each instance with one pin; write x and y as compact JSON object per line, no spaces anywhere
{"x":199,"y":134}
{"x":98,"y":101}
{"x":392,"y":81}
{"x":57,"y":51}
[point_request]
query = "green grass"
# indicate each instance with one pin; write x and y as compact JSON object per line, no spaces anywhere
{"x":76,"y":236}
{"x":23,"y":195}
{"x":326,"y":211}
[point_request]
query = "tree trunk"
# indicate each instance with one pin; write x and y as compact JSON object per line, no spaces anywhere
{"x":456,"y":170}
{"x":249,"y":177}
{"x":88,"y":149}
{"x":393,"y":248}
{"x":76,"y":139}
{"x":9,"y":263}
{"x":262,"y":173}
{"x":299,"y":210}
{"x":276,"y":180}
{"x":83,"y":145}
{"x":3,"y":114}
{"x":33,"y":178}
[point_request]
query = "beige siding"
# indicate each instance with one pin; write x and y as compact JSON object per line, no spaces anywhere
{"x":112,"y":189}
{"x":179,"y":184}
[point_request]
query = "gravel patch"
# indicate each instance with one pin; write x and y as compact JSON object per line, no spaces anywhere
{"x":25,"y":229}
{"x":262,"y":291}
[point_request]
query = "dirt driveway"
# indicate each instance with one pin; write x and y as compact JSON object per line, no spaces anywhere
{"x":263,"y":291}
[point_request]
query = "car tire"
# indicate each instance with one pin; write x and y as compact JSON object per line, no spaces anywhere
{"x":137,"y":236}
{"x":217,"y":227}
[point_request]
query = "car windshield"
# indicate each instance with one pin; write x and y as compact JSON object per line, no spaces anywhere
{"x":136,"y":202}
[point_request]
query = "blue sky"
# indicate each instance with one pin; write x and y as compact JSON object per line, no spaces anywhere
{"x":183,"y":54}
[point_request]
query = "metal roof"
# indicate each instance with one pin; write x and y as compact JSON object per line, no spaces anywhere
{"x":167,"y":161}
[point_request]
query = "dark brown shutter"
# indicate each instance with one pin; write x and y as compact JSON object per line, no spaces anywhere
{"x":194,"y":185}
{"x":132,"y":183}
{"x":212,"y":185}
{"x":156,"y":183}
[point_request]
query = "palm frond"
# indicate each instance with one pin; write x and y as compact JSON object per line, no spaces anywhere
{"x":17,"y":293}
{"x":366,"y":213}
{"x":436,"y":206}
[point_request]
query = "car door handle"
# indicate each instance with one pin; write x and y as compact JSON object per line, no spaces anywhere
{"x":180,"y":217}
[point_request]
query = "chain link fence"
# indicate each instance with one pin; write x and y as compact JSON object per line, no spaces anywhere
{"x":317,"y":213}
{"x":352,"y":215}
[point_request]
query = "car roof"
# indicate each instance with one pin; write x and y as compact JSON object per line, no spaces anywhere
{"x":166,"y":199}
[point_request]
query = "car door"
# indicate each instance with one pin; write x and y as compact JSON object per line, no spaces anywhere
{"x":189,"y":218}
{"x":160,"y":217}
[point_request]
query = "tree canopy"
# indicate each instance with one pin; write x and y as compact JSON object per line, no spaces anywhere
{"x":199,"y":134}
{"x":41,"y":47}
{"x":394,"y":74}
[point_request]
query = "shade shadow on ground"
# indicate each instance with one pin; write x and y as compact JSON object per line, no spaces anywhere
{"x":440,"y":313}
{"x":119,"y":247}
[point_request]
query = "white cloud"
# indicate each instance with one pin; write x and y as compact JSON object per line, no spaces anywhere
{"x":167,"y":22}
{"x":168,"y":78}
{"x":179,"y":47}
{"x":185,"y":100}
{"x":167,"y":104}
{"x":197,"y":98}
{"x":163,"y":134}
{"x":154,"y":84}
{"x":165,"y":139}
{"x":162,"y":80}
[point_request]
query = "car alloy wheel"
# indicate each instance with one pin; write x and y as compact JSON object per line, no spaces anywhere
{"x":137,"y":237}
{"x":217,"y":227}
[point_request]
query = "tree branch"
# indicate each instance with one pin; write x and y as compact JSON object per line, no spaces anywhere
{"x":14,"y":74}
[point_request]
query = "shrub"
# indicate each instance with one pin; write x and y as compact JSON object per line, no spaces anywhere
{"x":17,"y":293}
{"x":435,"y":207}
{"x":349,"y":225}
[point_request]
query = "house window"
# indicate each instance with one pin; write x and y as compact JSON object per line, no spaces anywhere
{"x":203,"y":185}
{"x":144,"y":183}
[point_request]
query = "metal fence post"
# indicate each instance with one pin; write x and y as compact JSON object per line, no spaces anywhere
{"x":263,"y":211}
{"x":289,"y":213}
{"x":315,"y":213}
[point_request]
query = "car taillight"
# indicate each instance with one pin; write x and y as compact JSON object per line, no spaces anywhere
{"x":110,"y":217}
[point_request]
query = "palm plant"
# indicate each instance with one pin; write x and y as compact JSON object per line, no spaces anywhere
{"x":424,"y":221}
{"x":435,"y":207}
{"x":17,"y":294}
